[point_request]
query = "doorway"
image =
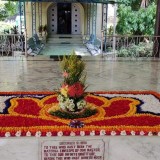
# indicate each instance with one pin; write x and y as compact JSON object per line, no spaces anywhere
{"x":64,"y":18}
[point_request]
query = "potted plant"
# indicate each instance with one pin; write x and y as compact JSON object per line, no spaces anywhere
{"x":45,"y":29}
{"x":40,"y":30}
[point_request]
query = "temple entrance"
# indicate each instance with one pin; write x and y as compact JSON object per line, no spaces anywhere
{"x":64,"y":18}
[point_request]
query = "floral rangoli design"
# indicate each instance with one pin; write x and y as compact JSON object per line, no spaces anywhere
{"x":118,"y":113}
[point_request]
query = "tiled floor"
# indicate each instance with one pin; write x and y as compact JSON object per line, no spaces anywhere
{"x":61,"y":49}
{"x":41,"y":73}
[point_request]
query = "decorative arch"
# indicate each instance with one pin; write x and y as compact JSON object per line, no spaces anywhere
{"x":77,"y":18}
{"x":52,"y":18}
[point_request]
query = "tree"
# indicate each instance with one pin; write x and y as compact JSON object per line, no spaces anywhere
{"x":157,"y":26}
{"x":136,"y":20}
{"x":134,"y":4}
{"x":2,"y":11}
{"x":144,"y":3}
{"x":8,"y":9}
{"x":157,"y":29}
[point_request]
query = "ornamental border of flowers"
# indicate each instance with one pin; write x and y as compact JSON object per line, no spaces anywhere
{"x":79,"y":133}
{"x":88,"y":131}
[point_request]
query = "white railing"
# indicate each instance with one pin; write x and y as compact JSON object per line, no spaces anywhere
{"x":13,"y":44}
{"x":130,"y":46}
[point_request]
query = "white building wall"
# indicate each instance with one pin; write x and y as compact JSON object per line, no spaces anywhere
{"x":99,"y":20}
{"x":76,"y":19}
{"x":83,"y":18}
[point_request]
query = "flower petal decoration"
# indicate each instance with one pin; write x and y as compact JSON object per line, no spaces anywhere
{"x":76,"y":124}
{"x":73,"y":86}
{"x":76,"y":90}
{"x":24,"y":106}
{"x":7,"y":134}
{"x":118,"y":113}
{"x":28,"y":134}
{"x":48,"y":134}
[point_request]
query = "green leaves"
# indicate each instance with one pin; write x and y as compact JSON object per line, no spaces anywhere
{"x":143,"y":49}
{"x":68,"y":115}
{"x":140,"y":22}
{"x":75,"y":68}
{"x":8,"y":9}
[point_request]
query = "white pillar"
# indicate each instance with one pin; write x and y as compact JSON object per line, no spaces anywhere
{"x":25,"y":36}
{"x":114,"y":29}
{"x":102,"y":42}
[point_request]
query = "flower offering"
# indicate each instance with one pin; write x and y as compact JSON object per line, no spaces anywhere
{"x":71,"y":95}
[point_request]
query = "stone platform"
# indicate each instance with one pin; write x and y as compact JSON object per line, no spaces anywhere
{"x":41,"y":73}
{"x":103,"y":148}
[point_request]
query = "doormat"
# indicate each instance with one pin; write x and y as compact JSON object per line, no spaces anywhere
{"x":65,"y":43}
{"x":118,"y":113}
{"x":60,"y":57}
{"x":65,"y":37}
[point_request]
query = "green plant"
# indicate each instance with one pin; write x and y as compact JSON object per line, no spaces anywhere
{"x":6,"y":31}
{"x":143,"y":49}
{"x":40,"y":29}
{"x":74,"y":68}
{"x":110,"y":30}
{"x":5,"y":27}
{"x":8,"y":9}
{"x":123,"y":52}
{"x":14,"y":30}
{"x":87,"y":113}
{"x":139,"y":22}
{"x":72,"y":91}
{"x":135,"y":4}
{"x":45,"y":29}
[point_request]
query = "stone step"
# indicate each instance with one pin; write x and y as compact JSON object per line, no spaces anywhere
{"x":64,"y":35}
{"x":61,"y":49}
{"x":65,"y":40}
{"x":68,"y":38}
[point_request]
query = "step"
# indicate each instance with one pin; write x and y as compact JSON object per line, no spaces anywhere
{"x":64,"y":35}
{"x":69,"y":38}
{"x":65,"y":40}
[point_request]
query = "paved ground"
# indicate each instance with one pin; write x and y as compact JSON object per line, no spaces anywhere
{"x":61,"y":49}
{"x":42,"y":73}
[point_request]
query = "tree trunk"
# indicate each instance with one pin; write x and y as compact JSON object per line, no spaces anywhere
{"x":156,"y":49}
{"x":144,"y":3}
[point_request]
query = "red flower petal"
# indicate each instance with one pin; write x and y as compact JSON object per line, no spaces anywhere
{"x":51,"y":100}
{"x":27,"y":106}
{"x":119,"y":107}
{"x":76,"y":90}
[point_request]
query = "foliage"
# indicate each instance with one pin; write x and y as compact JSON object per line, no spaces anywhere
{"x":73,"y":69}
{"x":110,"y":30}
{"x":8,"y":28}
{"x":14,"y":30}
{"x":142,"y":49}
{"x":71,"y":96}
{"x":8,"y":9}
{"x":40,"y":29}
{"x":45,"y":28}
{"x":11,"y":8}
{"x":2,"y":11}
{"x":139,"y":22}
{"x":5,"y":27}
{"x":134,"y":4}
{"x":66,"y":115}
